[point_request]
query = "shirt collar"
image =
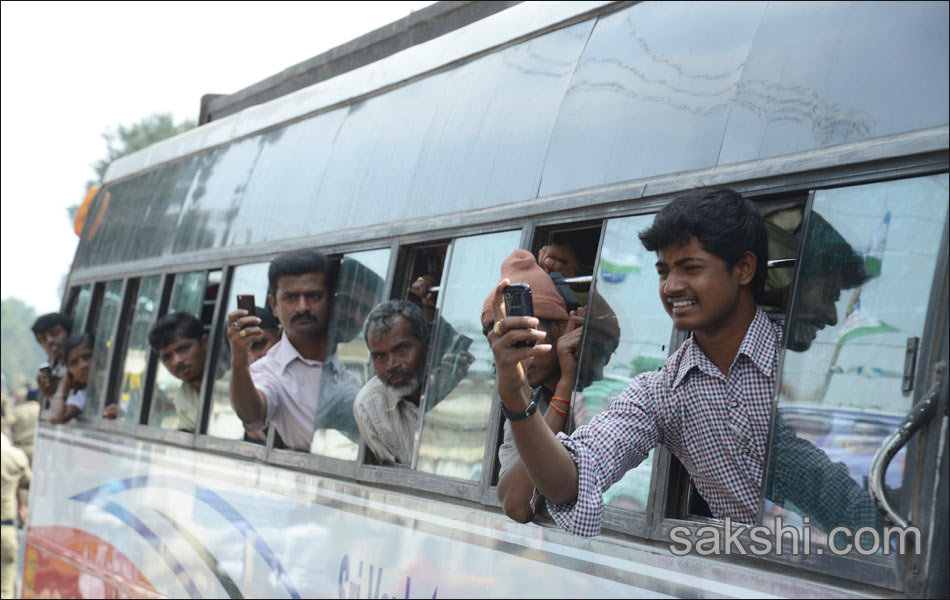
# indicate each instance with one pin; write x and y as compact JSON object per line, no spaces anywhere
{"x":285,"y":353}
{"x":759,"y":345}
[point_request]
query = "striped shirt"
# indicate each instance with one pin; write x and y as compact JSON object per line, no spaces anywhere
{"x":715,"y":424}
{"x":387,"y":422}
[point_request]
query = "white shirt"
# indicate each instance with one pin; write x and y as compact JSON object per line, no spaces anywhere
{"x":303,"y":395}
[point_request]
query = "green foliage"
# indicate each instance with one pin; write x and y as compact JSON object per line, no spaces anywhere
{"x":21,"y":354}
{"x":127,"y":139}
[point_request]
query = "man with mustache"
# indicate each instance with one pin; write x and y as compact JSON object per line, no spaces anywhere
{"x":51,"y":331}
{"x":301,"y":383}
{"x":387,"y":407}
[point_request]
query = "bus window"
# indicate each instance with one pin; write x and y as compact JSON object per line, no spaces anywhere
{"x":79,"y":306}
{"x":135,"y":362}
{"x":175,"y":402}
{"x":359,"y":288}
{"x":863,"y":285}
{"x":627,"y":333}
{"x":458,"y":404}
{"x":222,"y":421}
{"x":569,"y":254}
{"x":105,"y":326}
{"x":423,"y":268}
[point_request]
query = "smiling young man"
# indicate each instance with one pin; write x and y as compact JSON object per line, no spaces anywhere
{"x":710,"y":402}
{"x":300,"y":384}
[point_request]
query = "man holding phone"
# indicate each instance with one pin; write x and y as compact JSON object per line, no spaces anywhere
{"x":300,"y":384}
{"x":549,"y":375}
{"x":51,"y":331}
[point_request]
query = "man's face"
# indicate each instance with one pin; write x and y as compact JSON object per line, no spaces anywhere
{"x":398,"y":357}
{"x":53,"y":340}
{"x":77,"y":363}
{"x":261,"y":345}
{"x":184,"y":358}
{"x":698,"y":291}
{"x":302,"y":305}
{"x":544,"y":368}
{"x":816,"y":309}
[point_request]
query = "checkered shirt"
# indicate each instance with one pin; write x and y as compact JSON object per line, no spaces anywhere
{"x":715,"y":424}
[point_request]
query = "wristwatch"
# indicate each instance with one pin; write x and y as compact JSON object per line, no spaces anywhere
{"x":518,"y":416}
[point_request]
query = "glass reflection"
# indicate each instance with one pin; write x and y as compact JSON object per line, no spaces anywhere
{"x":827,"y":73}
{"x":223,"y":422}
{"x":80,"y":306}
{"x":627,"y":334}
{"x":359,"y":289}
{"x":106,"y":322}
{"x":643,"y":101}
{"x":175,"y":402}
{"x":864,"y":282}
{"x":136,"y":353}
{"x":455,"y":426}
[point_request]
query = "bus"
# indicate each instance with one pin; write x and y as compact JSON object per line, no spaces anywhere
{"x":532,"y":124}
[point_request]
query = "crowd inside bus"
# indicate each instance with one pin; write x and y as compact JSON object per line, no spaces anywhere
{"x":709,"y":403}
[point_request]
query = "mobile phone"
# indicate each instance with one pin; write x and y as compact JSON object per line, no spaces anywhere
{"x":461,"y":344}
{"x":518,"y":303}
{"x":45,"y":369}
{"x":246,"y":302}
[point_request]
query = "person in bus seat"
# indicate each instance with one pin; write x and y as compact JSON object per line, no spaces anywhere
{"x":300,"y":384}
{"x":51,"y":331}
{"x":709,"y":404}
{"x":550,"y":376}
{"x":386,"y":409}
{"x":70,"y":398}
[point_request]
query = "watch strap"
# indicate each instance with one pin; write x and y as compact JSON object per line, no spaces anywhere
{"x":532,"y":408}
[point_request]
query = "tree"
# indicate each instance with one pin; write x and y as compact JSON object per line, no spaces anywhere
{"x":21,"y":354}
{"x":126,"y":140}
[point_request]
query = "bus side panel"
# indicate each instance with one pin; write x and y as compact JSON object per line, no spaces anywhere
{"x":70,"y":563}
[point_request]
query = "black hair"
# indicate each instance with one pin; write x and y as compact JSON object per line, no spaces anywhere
{"x":827,"y":253}
{"x":383,"y":318}
{"x":723,"y":222}
{"x":268,"y":320}
{"x":77,"y":340}
{"x":300,"y":262}
{"x":166,"y":329}
{"x":51,"y":320}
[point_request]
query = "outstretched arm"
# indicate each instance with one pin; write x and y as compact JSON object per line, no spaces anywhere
{"x":248,"y":402}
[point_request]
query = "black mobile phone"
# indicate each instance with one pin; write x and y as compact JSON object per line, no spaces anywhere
{"x":518,"y":303}
{"x":246,"y":302}
{"x":461,"y":344}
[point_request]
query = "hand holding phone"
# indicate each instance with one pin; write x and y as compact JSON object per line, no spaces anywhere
{"x":518,"y":303}
{"x":246,"y":302}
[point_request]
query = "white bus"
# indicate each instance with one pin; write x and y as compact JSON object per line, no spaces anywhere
{"x":523,"y":125}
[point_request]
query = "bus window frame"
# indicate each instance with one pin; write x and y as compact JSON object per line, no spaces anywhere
{"x":95,"y":308}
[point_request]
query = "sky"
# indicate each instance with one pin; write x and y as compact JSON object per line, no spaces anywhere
{"x":73,"y":70}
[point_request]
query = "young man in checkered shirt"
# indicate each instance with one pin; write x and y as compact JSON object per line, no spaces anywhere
{"x":710,"y":403}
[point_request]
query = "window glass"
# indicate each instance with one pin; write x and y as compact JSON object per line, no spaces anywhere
{"x":359,"y":289}
{"x":223,"y":422}
{"x":135,"y":362}
{"x":458,"y":404}
{"x":175,"y":402}
{"x":105,"y":339}
{"x":79,"y":308}
{"x":863,"y":286}
{"x":628,"y":333}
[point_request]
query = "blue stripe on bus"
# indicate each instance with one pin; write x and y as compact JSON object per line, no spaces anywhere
{"x":97,"y":495}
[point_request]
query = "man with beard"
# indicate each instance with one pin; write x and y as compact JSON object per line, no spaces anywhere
{"x":387,"y":408}
{"x":300,"y":384}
